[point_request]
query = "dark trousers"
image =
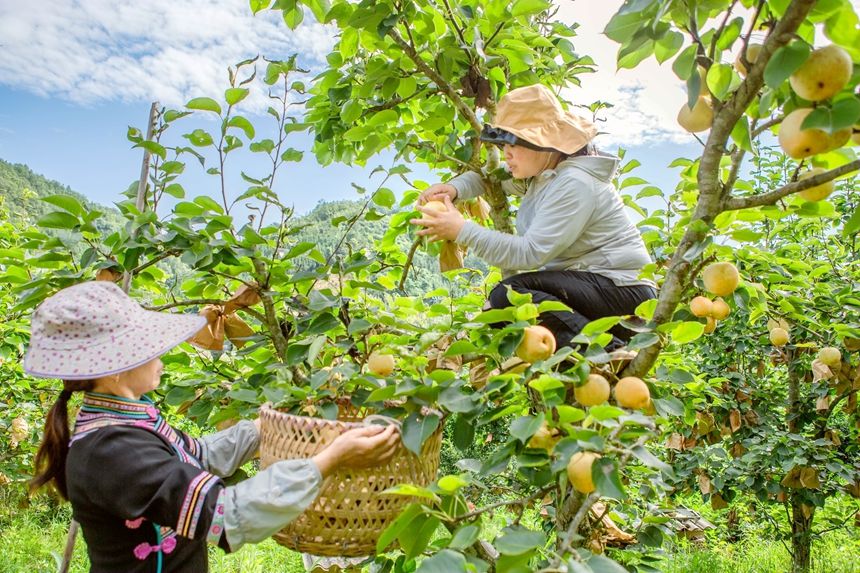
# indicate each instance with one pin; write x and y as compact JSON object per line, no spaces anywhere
{"x":591,"y":296}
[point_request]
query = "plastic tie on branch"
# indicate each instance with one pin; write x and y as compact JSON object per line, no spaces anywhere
{"x":222,"y":320}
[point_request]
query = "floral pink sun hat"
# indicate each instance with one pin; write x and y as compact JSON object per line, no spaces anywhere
{"x":94,"y":329}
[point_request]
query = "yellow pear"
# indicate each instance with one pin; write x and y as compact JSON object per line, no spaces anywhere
{"x":823,"y":74}
{"x":538,"y":343}
{"x":543,"y":439}
{"x":380,"y":364}
{"x":830,"y":356}
{"x":579,"y":471}
{"x":595,"y":391}
{"x":701,"y":306}
{"x":710,"y":325}
{"x":779,"y":336}
{"x":632,"y":392}
{"x":720,"y":279}
{"x":697,"y":119}
{"x":818,"y":192}
{"x":437,"y":206}
{"x":703,"y":82}
{"x":752,"y":55}
{"x":799,"y":144}
{"x":721,"y":309}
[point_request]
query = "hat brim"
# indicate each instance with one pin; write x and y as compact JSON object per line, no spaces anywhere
{"x":567,"y":136}
{"x":148,"y":335}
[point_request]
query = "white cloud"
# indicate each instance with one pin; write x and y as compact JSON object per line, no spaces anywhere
{"x":646,"y":100}
{"x":90,"y":51}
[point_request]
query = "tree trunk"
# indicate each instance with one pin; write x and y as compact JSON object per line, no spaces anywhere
{"x":801,"y":540}
{"x":498,"y":202}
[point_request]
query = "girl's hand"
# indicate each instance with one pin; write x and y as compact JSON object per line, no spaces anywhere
{"x":437,"y":192}
{"x":359,"y":448}
{"x":440,"y":225}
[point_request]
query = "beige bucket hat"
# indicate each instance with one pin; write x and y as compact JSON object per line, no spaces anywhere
{"x":532,"y":116}
{"x":94,"y":329}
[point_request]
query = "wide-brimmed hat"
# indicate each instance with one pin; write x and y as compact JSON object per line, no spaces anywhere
{"x":94,"y":329}
{"x":532,"y":116}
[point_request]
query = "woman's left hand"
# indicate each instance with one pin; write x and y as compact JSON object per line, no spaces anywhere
{"x":440,"y":225}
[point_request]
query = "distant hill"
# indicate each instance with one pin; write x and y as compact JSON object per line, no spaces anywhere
{"x":21,"y":190}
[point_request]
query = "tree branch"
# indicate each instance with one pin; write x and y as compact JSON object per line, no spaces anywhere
{"x":771,"y":197}
{"x":443,"y":84}
{"x":408,"y":262}
{"x":711,"y":194}
{"x":193,"y":302}
{"x":155,"y":259}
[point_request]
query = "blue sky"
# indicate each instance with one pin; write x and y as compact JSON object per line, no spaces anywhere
{"x":73,"y":78}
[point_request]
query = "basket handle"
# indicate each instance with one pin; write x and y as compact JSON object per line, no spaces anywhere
{"x":379,"y":418}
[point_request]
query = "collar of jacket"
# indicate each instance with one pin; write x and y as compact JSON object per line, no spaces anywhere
{"x":102,"y":410}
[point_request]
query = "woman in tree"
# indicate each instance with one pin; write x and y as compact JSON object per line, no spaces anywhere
{"x":149,"y":497}
{"x":574,"y":242}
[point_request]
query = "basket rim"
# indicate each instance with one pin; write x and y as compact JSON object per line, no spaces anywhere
{"x":270,"y":410}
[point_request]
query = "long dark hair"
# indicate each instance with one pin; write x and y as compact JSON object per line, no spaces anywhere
{"x":50,"y":463}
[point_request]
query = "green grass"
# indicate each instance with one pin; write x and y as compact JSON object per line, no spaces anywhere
{"x":32,"y":537}
{"x":836,"y":553}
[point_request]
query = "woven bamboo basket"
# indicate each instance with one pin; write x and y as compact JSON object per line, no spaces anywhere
{"x":349,"y":515}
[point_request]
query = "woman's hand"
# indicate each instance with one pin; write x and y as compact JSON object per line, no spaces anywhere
{"x":437,"y":192}
{"x":359,"y":448}
{"x":440,"y":225}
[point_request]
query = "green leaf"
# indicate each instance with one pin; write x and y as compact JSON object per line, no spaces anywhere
{"x":605,"y":412}
{"x":451,"y":483}
{"x":529,"y":7}
{"x":518,"y":541}
{"x":720,"y":80}
{"x":604,"y":471}
{"x":382,"y":117}
{"x":643,"y":340}
{"x":415,"y":539}
{"x":622,"y":26}
{"x":685,"y":64}
{"x":292,"y":155}
{"x":199,"y":138}
{"x":384,"y":198}
{"x":785,"y":62}
{"x":741,"y":134}
{"x":687,"y":331}
{"x":454,"y":400}
{"x":58,"y":220}
{"x":235,"y":95}
{"x":351,"y":111}
{"x":853,"y":224}
{"x":66,"y":202}
{"x":319,"y":8}
{"x":397,"y":526}
{"x":668,"y":45}
{"x":293,"y":16}
{"x":845,"y":113}
{"x":204,"y":104}
{"x":600,"y":325}
{"x":258,"y":5}
{"x":243,"y":124}
{"x":407,"y":489}
{"x":446,"y":561}
{"x":525,"y":427}
{"x":417,"y":429}
{"x":465,"y":537}
{"x":603,"y":564}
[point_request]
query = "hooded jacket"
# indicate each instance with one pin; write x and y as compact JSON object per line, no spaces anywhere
{"x":570,"y":218}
